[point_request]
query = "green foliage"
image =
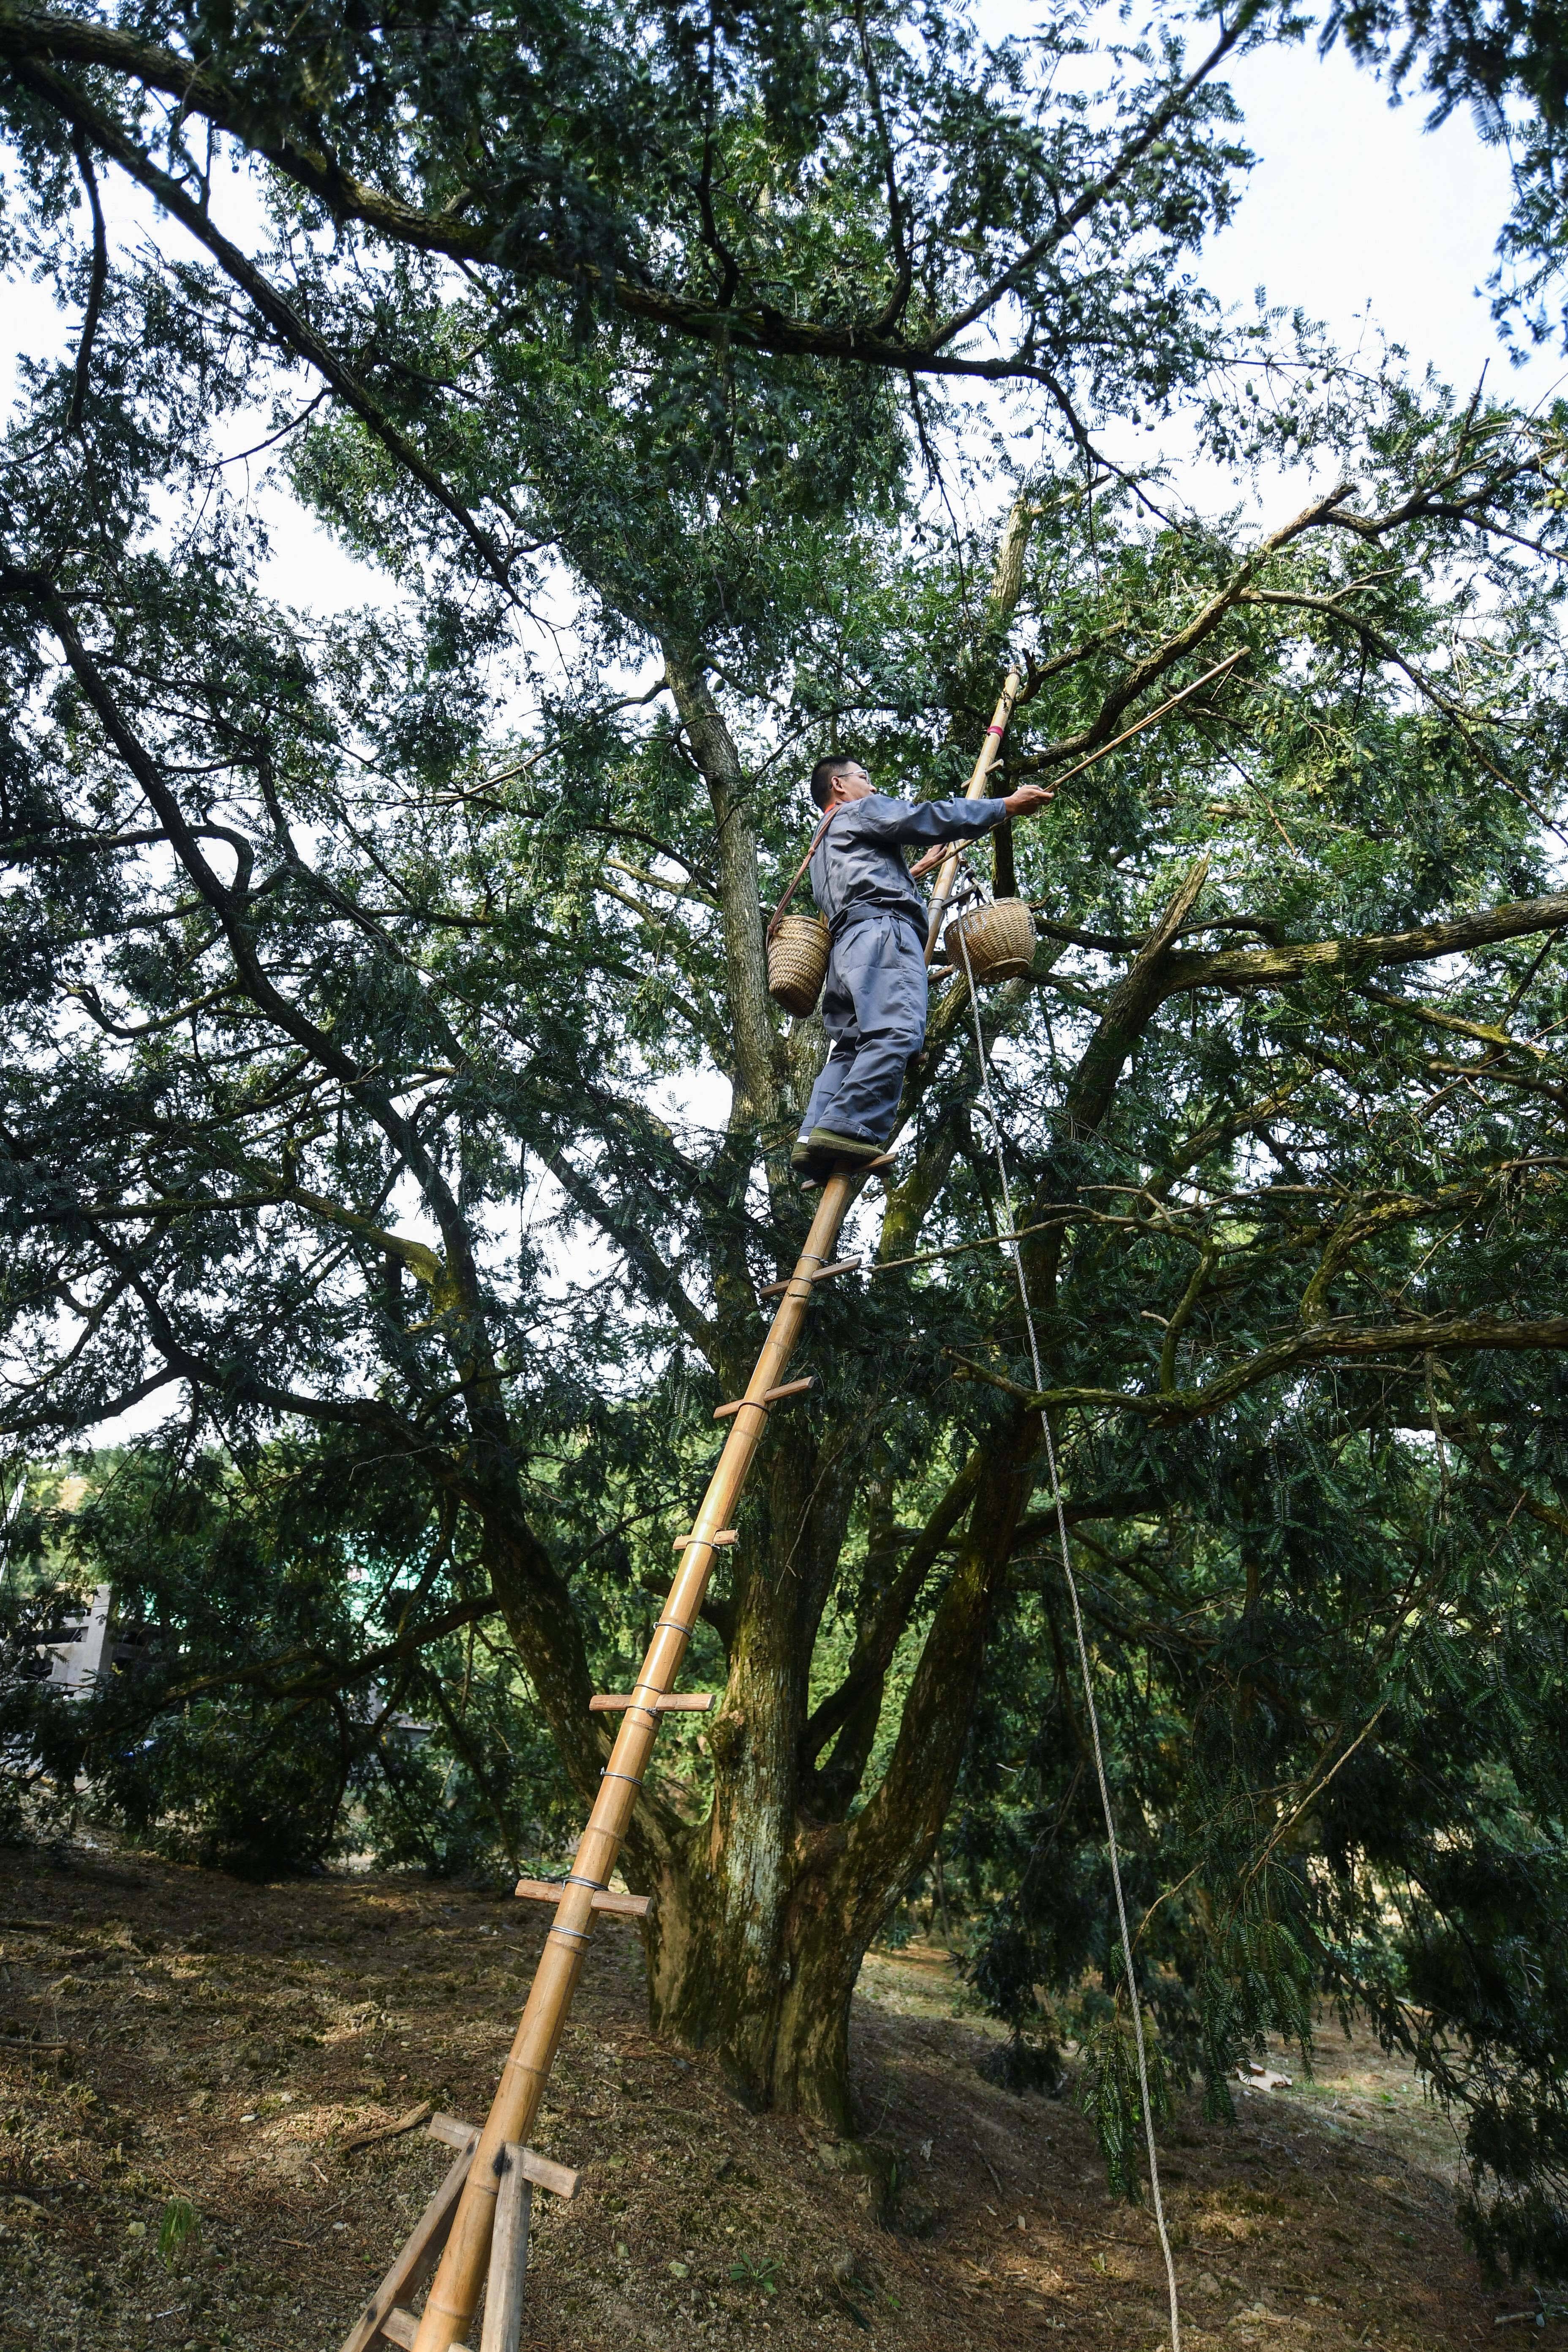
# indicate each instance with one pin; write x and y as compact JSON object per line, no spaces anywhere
{"x":1108,"y":2094}
{"x":179,"y":2232}
{"x":265,"y":1710}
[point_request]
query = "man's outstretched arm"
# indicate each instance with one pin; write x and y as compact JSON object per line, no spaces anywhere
{"x":947,"y":822}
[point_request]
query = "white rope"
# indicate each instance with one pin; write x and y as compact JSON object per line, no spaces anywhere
{"x":1011,"y":1237}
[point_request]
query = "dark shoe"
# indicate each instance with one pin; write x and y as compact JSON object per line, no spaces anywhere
{"x":808,"y":1162}
{"x":825,"y":1145}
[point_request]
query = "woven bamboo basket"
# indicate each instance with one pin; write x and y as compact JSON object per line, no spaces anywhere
{"x":797,"y":960}
{"x":1000,"y":938}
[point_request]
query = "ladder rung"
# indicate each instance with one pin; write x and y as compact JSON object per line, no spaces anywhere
{"x":544,"y":2173}
{"x":866,"y":1167}
{"x":551,"y":1890}
{"x":768,"y":1397}
{"x":670,"y":1703}
{"x":400,"y":2327}
{"x":823,"y":1273}
{"x":724,"y":1535}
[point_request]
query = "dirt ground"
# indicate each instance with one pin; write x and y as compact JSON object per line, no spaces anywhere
{"x":169,"y":2033}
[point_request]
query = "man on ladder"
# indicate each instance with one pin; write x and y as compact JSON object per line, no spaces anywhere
{"x":873,"y":1002}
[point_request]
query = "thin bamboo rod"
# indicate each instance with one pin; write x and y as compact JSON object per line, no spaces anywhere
{"x":1126,"y":736}
{"x":1138,"y":726}
{"x":455,"y":2292}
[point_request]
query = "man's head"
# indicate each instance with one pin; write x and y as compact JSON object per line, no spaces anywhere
{"x":839,"y":779}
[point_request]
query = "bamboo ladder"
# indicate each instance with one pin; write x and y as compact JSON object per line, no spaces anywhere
{"x":480,"y":2213}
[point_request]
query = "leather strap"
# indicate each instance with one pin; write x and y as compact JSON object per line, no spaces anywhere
{"x":778,"y":914}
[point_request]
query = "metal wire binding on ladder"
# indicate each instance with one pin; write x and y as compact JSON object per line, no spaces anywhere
{"x":1011,"y":1239}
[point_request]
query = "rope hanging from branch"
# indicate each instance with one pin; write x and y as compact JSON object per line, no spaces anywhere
{"x":1011,"y":1239}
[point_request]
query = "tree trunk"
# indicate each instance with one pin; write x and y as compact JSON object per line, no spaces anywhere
{"x":738,"y":1896}
{"x":760,"y":1061}
{"x":764,"y":1913}
{"x":769,"y":1988}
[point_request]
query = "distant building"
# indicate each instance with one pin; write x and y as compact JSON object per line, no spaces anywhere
{"x":400,"y":1723}
{"x":83,"y":1657}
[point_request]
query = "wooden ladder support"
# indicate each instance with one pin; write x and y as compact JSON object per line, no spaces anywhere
{"x":551,"y":1890}
{"x":866,"y":1166}
{"x":666,"y":1703}
{"x":386,"y":2319}
{"x":452,"y":2129}
{"x":400,"y":2327}
{"x":508,"y":2254}
{"x":454,"y":2290}
{"x":419,"y":2249}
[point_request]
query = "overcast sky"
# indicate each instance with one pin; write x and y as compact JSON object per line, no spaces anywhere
{"x":1353,"y":203}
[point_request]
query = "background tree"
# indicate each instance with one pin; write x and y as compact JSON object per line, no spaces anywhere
{"x":278,"y":1692}
{"x":323,"y":963}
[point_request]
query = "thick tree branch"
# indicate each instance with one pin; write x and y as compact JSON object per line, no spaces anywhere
{"x":1337,"y":1342}
{"x":1144,"y":674}
{"x":33,"y":39}
{"x":1090,"y":198}
{"x":230,"y":907}
{"x":1242,"y":968}
{"x":1130,"y":1007}
{"x":82,"y":374}
{"x":1038,"y":1527}
{"x":1373,"y":639}
{"x":896,"y":1833}
{"x":878,"y":1638}
{"x":1435,"y":1017}
{"x":898,"y":224}
{"x":326,"y":1673}
{"x":90,"y":124}
{"x":756,"y":1031}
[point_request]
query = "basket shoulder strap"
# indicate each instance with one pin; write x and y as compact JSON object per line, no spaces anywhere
{"x":778,"y":913}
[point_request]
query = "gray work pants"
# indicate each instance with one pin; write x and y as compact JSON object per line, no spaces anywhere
{"x":874,"y":1010}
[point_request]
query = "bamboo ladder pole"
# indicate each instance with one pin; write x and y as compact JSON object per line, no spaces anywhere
{"x":979,"y":775}
{"x":454,"y":2290}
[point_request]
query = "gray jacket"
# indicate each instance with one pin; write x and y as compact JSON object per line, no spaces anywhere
{"x":858,"y":866}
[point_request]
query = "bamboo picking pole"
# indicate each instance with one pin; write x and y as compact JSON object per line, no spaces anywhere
{"x":990,"y":752}
{"x":456,"y":2289}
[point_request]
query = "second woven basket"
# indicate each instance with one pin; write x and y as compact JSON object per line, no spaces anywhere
{"x":1000,"y":938}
